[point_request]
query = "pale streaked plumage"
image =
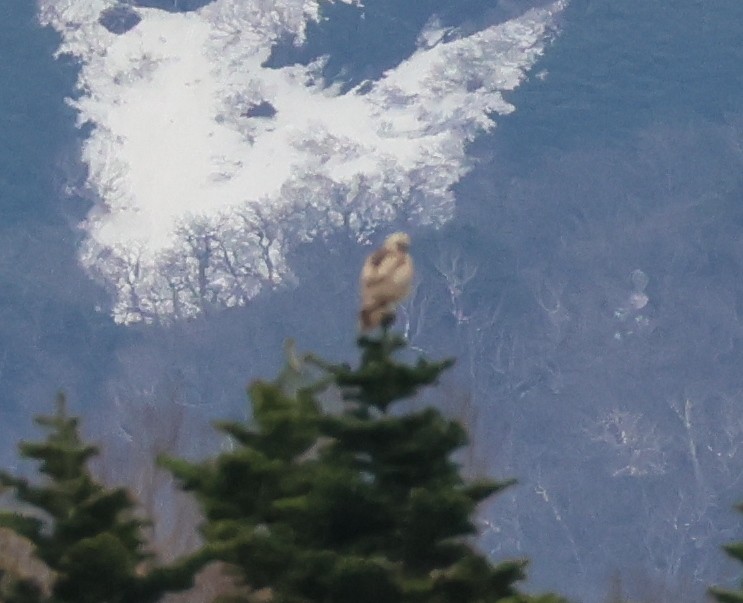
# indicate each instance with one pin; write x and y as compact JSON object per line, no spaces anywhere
{"x":385,"y":281}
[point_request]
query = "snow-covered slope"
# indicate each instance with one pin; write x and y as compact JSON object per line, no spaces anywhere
{"x":207,"y":167}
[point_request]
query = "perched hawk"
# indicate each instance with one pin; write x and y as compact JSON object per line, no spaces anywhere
{"x":385,"y":282}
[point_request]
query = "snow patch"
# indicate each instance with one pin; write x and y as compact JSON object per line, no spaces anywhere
{"x":199,"y":198}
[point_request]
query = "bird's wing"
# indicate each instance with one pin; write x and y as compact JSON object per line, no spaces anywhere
{"x":380,"y":267}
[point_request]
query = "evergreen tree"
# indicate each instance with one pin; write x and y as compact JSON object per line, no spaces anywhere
{"x":87,"y":534}
{"x":735,"y":550}
{"x":364,"y":505}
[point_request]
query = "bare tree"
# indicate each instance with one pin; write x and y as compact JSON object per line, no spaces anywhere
{"x":457,"y":272}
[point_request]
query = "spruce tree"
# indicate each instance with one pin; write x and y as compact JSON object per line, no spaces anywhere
{"x":735,"y":550}
{"x":87,"y":534}
{"x":363,"y":505}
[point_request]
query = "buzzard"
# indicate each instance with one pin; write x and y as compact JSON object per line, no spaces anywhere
{"x":385,"y":282}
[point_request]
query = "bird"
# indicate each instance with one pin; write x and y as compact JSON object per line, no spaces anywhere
{"x":385,"y":281}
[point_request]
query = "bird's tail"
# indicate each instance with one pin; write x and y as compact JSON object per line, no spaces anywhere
{"x":370,"y":317}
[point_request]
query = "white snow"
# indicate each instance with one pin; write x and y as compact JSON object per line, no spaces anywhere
{"x":198,"y":203}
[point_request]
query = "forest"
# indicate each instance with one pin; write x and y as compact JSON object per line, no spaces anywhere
{"x":345,"y":484}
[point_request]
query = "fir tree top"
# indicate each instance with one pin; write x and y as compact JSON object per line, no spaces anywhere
{"x":358,"y":505}
{"x":87,"y":534}
{"x":381,"y":380}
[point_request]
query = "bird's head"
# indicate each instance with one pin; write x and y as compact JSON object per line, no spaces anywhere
{"x":399,"y":241}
